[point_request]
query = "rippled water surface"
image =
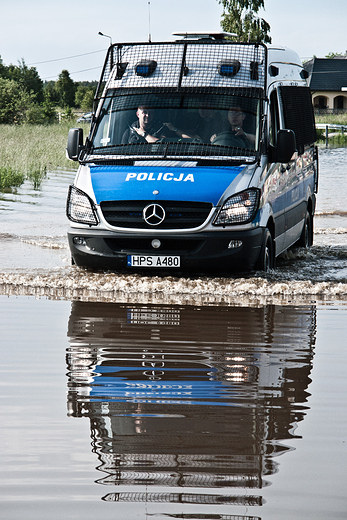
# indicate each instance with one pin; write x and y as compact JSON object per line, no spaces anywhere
{"x":214,"y":398}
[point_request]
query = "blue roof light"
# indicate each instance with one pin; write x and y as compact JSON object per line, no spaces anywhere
{"x":145,"y":68}
{"x":229,"y":67}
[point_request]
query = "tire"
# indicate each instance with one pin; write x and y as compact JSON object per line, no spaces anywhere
{"x":306,"y":238}
{"x":266,"y":259}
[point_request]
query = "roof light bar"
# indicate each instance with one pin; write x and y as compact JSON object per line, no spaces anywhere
{"x":145,"y":68}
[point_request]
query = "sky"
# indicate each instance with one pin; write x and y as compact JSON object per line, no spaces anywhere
{"x":56,"y":35}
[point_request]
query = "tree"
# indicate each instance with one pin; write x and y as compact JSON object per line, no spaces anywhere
{"x":2,"y":68}
{"x":239,"y":16}
{"x":333,"y":55}
{"x":22,"y":97}
{"x":27,"y":77}
{"x":15,"y":101}
{"x":84,"y":97}
{"x":50,"y":94}
{"x":88,"y":100}
{"x":65,"y":88}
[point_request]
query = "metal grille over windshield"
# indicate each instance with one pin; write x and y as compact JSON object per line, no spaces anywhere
{"x":180,"y":100}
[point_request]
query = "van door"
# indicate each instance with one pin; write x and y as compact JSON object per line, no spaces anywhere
{"x":298,"y":116}
{"x":277,"y":177}
{"x":295,"y":201}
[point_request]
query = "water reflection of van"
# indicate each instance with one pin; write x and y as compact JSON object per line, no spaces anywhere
{"x":189,"y":397}
{"x":200,"y":156}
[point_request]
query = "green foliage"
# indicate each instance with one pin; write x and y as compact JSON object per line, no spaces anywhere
{"x":10,"y":178}
{"x":87,"y":103}
{"x":14,"y":102}
{"x":24,"y":98}
{"x":332,"y":55}
{"x":84,"y":97}
{"x":336,"y":138}
{"x":66,"y":89}
{"x":50,"y":94}
{"x":26,"y":77}
{"x":67,"y":116}
{"x":36,"y":173}
{"x":239,"y":17}
{"x":41,"y":114}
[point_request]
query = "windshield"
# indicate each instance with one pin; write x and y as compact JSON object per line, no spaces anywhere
{"x":216,"y":124}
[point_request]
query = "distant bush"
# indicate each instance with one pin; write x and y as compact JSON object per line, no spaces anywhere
{"x":41,"y":114}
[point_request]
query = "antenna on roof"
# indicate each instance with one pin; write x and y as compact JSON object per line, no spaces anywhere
{"x":149,"y":22}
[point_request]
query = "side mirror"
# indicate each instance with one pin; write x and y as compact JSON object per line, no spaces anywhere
{"x":74,"y":143}
{"x":286,"y":146}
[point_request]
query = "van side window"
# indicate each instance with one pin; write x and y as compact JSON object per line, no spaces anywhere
{"x":274,"y":124}
{"x":298,"y":114}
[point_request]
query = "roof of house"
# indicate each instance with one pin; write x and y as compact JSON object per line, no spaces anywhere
{"x":327,"y":74}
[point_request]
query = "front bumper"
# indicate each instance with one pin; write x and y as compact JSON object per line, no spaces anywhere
{"x":206,"y":251}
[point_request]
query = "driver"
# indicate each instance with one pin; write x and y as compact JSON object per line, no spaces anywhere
{"x":146,"y":129}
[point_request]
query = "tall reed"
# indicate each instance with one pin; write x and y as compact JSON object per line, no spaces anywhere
{"x":29,"y":151}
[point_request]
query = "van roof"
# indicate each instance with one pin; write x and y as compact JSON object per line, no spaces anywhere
{"x":280,"y":54}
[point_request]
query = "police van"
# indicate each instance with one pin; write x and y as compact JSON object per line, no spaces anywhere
{"x":200,"y":156}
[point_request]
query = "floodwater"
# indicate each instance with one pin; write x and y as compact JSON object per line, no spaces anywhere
{"x":132,"y":397}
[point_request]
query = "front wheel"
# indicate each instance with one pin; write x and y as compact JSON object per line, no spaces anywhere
{"x":266,"y":259}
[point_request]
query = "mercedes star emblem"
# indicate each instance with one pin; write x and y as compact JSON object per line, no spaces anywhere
{"x":153,"y":214}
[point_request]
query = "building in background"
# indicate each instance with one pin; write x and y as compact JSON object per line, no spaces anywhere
{"x":327,"y":79}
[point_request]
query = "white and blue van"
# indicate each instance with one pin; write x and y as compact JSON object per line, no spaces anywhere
{"x":200,"y":157}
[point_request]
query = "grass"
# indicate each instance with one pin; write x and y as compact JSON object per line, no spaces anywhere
{"x":333,"y":119}
{"x":28,"y":152}
{"x":336,"y":139}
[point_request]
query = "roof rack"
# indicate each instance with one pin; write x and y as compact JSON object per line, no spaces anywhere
{"x":198,"y":35}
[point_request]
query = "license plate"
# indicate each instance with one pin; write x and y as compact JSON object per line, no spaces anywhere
{"x":153,"y":261}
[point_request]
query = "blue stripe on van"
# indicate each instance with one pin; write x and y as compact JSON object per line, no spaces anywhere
{"x":177,"y":183}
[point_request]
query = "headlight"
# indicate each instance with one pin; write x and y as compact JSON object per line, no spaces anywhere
{"x":239,"y":209}
{"x":80,"y":208}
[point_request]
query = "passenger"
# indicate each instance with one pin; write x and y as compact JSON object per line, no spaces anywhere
{"x":209,"y":125}
{"x":146,"y":129}
{"x":236,"y":132}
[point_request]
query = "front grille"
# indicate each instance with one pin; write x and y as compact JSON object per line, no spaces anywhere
{"x":178,"y":214}
{"x":169,"y":246}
